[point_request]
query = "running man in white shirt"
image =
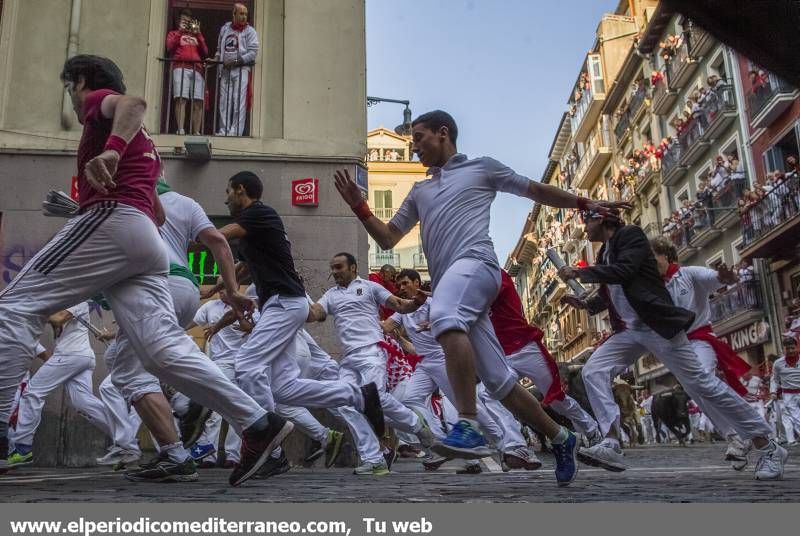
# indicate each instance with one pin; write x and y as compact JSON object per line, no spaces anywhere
{"x":453,"y":208}
{"x":786,"y":380}
{"x":690,"y":288}
{"x":354,"y":305}
{"x":71,"y":365}
{"x":431,"y":374}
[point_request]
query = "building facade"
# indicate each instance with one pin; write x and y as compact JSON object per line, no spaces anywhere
{"x":694,"y":137}
{"x":305,"y":118}
{"x":392,"y":173}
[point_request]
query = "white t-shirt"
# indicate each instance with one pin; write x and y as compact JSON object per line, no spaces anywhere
{"x":186,"y":219}
{"x":355,"y":312}
{"x":423,"y":342}
{"x":453,"y":210}
{"x":228,"y":340}
{"x":690,"y":288}
{"x":74,"y":338}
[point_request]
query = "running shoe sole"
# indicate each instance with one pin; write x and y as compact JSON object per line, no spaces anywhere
{"x":166,"y":478}
{"x":277,"y":440}
{"x":338,"y":439}
{"x":433,"y":466}
{"x":448,"y":451}
{"x":515,"y":462}
{"x":594,"y":462}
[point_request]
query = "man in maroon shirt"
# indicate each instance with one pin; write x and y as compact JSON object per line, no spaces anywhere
{"x":529,"y":358}
{"x":113,"y":246}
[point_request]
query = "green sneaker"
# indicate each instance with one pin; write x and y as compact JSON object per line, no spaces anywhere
{"x":164,"y":470}
{"x":374,"y":469}
{"x":425,"y":435}
{"x":334,"y":447}
{"x":18,"y":460}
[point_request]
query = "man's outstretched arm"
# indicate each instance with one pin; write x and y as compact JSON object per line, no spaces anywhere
{"x":385,"y":234}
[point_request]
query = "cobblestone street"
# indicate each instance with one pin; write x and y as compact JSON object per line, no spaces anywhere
{"x":661,"y":474}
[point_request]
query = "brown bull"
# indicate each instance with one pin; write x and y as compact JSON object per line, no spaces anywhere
{"x":628,"y":411}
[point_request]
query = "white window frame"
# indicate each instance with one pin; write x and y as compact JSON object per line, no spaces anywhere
{"x":735,"y":257}
{"x":719,"y":256}
{"x":679,"y":193}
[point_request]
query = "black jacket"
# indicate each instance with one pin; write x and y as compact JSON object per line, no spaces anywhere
{"x":632,"y":264}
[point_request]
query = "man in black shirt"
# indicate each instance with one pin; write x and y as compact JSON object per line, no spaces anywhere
{"x":266,"y":365}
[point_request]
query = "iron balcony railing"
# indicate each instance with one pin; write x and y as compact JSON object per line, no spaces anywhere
{"x":742,"y":297}
{"x":760,"y":96}
{"x":384,"y":213}
{"x":780,"y":205}
{"x":670,"y":159}
{"x":225,"y":106}
{"x":384,"y":257}
{"x":420,"y":261}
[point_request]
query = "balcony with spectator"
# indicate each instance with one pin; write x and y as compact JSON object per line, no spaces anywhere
{"x":770,"y":213}
{"x":769,"y":97}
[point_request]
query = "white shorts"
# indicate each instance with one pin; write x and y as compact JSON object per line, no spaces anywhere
{"x":186,"y":82}
{"x":461,"y":302}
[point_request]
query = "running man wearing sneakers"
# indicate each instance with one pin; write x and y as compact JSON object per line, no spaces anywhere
{"x":354,"y":304}
{"x":431,"y":374}
{"x":786,"y":381}
{"x":266,"y":364}
{"x":690,"y":288}
{"x":453,"y":208}
{"x":114,"y":246}
{"x":529,"y":358}
{"x":645,"y":319}
{"x":71,"y":365}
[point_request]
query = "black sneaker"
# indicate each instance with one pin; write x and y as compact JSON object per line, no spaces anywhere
{"x":257,"y":446}
{"x":372,"y":408}
{"x":192,"y":423}
{"x":471,"y":469}
{"x":164,"y":470}
{"x":314,"y":452}
{"x":273,"y":467}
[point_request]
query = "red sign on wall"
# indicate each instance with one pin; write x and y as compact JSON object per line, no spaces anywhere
{"x":305,"y":192}
{"x":73,"y":188}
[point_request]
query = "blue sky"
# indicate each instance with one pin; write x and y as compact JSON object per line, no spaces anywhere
{"x":504,"y":69}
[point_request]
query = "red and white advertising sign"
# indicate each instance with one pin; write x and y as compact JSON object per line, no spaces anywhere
{"x":305,"y":192}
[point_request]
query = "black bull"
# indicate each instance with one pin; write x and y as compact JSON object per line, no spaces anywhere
{"x":671,"y":409}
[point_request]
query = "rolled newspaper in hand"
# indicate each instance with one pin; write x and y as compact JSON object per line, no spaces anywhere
{"x":59,"y":204}
{"x":558,"y":262}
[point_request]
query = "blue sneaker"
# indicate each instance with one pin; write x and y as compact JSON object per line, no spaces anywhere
{"x":198,"y":452}
{"x":463,"y":441}
{"x":566,"y":460}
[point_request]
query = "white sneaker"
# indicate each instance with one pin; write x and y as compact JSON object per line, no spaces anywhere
{"x":521,"y":458}
{"x":736,"y":452}
{"x":181,"y":132}
{"x":606,"y":454}
{"x":425,"y":435}
{"x":116,"y":455}
{"x":376,"y":469}
{"x":593,"y":438}
{"x":770,"y":465}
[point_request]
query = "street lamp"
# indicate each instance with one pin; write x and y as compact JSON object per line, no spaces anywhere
{"x":405,"y":128}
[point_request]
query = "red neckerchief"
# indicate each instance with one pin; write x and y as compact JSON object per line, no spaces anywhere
{"x":729,"y":363}
{"x":791,"y":360}
{"x":238,"y":27}
{"x":672,"y":269}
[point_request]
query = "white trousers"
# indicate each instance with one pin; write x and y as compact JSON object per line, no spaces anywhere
{"x":232,"y":101}
{"x":320,"y":366}
{"x":714,"y":396}
{"x":210,"y":435}
{"x":708,"y":361}
{"x":529,"y":362}
{"x":461,"y":301}
{"x":115,"y":249}
{"x":368,"y":364}
{"x":430,"y":374}
{"x":74,"y":372}
{"x":790,"y":412}
{"x":267,"y":366}
{"x":123,"y":419}
{"x":508,"y":426}
{"x":648,"y":429}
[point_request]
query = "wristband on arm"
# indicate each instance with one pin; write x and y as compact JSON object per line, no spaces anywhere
{"x":362,"y":211}
{"x":115,"y":143}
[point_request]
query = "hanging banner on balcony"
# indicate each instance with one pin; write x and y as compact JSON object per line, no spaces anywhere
{"x":748,"y":336}
{"x":305,"y":192}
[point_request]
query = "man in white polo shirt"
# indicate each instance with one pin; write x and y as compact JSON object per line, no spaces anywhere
{"x":453,"y":210}
{"x":354,"y":303}
{"x":71,"y":365}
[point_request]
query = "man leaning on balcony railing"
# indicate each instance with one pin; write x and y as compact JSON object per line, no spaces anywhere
{"x":187,"y":44}
{"x":236,"y":49}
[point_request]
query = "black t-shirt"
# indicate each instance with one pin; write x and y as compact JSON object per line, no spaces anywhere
{"x":268,"y":254}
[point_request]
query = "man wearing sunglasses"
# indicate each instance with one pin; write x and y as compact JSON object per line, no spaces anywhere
{"x":645,"y":319}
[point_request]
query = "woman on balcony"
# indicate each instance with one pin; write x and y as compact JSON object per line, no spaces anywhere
{"x":187,"y":48}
